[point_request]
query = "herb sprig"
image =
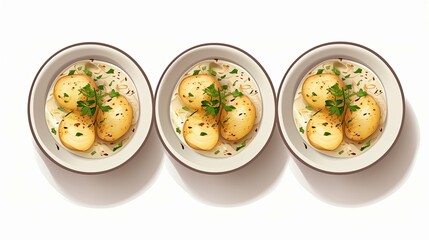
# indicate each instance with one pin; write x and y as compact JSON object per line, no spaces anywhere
{"x":342,"y":99}
{"x":94,"y":99}
{"x":218,"y":100}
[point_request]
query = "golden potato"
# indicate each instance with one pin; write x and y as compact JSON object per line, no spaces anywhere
{"x":239,"y":122}
{"x":315,"y":89}
{"x":191,"y":89}
{"x":77,"y":132}
{"x":113,"y":124}
{"x":201,"y":131}
{"x":325,"y":131}
{"x":360,"y":124}
{"x":66,"y":90}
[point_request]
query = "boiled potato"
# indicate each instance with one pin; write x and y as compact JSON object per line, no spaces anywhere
{"x":66,"y":90}
{"x":325,"y":131}
{"x":191,"y":89}
{"x":239,"y":122}
{"x":113,"y":124}
{"x":360,"y":124}
{"x":315,"y":89}
{"x":201,"y":131}
{"x":77,"y":132}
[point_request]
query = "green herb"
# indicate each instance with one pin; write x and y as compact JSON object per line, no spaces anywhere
{"x":185,"y":108}
{"x":66,"y":95}
{"x":93,"y":153}
{"x":66,"y":101}
{"x":326,"y":133}
{"x":178,"y":130}
{"x":358,"y":70}
{"x":71,"y":72}
{"x":319,"y":71}
{"x":309,"y":107}
{"x":212,"y":72}
{"x":221,"y":77}
{"x":99,"y":77}
{"x":118,"y":146}
{"x":196,"y":72}
{"x":361,"y":93}
{"x":190,"y":94}
{"x":367,"y":144}
{"x":233,"y":84}
{"x":348,"y":86}
{"x":345,"y":77}
{"x":110,"y":84}
{"x":342,"y":99}
{"x":113,"y":93}
{"x":87,"y":72}
{"x":301,"y":130}
{"x":217,"y":100}
{"x":101,"y":87}
{"x":313,"y":94}
{"x":203,"y":134}
{"x":314,"y":100}
{"x":204,"y":68}
{"x":242,"y":145}
{"x":234,"y":71}
{"x":93,"y":99}
{"x":341,"y":152}
{"x":358,"y":83}
{"x":336,"y":71}
{"x":78,"y":134}
{"x":110,"y":71}
{"x":54,"y":131}
{"x":61,"y":109}
{"x":224,"y":87}
{"x":79,"y":68}
{"x":217,"y":152}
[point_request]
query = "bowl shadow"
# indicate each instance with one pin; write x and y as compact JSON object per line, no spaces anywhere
{"x":372,"y":184}
{"x":111,"y":188}
{"x":239,"y":187}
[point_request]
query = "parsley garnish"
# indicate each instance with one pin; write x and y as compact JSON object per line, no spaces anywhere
{"x":326,"y":133}
{"x":301,"y":130}
{"x":94,"y":99}
{"x":342,"y":99}
{"x":71,"y":72}
{"x":242,"y":145}
{"x":185,"y":108}
{"x":309,"y":107}
{"x":203,"y":133}
{"x":234,"y":71}
{"x":99,"y":76}
{"x":190,"y":94}
{"x":367,"y":144}
{"x":336,"y":71}
{"x":196,"y":72}
{"x":111,"y":71}
{"x":87,"y":72}
{"x":66,"y":95}
{"x":118,"y":146}
{"x":93,"y":153}
{"x":178,"y":130}
{"x":54,"y":131}
{"x":218,"y":99}
{"x":78,"y":134}
{"x":212,"y":72}
{"x":319,"y":71}
{"x":217,"y":152}
{"x":359,"y":70}
{"x":341,"y":152}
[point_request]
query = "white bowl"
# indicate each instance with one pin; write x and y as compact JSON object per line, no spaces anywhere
{"x":174,"y":71}
{"x":42,"y":83}
{"x":394,"y":100}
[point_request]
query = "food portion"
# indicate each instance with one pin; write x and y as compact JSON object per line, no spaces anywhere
{"x":341,"y":108}
{"x":92,"y":109}
{"x":216,"y":108}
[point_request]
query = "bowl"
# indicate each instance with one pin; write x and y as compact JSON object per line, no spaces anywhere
{"x":169,"y":135}
{"x":394,"y":99}
{"x":44,"y":136}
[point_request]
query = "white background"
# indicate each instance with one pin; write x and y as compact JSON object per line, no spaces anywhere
{"x":153,"y":197}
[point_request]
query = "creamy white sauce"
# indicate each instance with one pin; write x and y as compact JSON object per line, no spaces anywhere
{"x":242,"y":81}
{"x":365,"y":80}
{"x":117,"y":80}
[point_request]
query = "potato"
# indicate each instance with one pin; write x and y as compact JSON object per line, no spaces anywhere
{"x":360,"y":124}
{"x":66,"y":90}
{"x":191,"y":89}
{"x":77,"y":132}
{"x":315,"y":89}
{"x":239,"y":122}
{"x":201,"y":131}
{"x":113,"y":124}
{"x":325,"y":131}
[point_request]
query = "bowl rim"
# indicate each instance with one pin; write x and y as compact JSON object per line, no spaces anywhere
{"x":30,"y":120}
{"x":271,"y":87}
{"x":280,"y":89}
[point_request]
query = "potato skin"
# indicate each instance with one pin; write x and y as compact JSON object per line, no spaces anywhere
{"x":113,"y":124}
{"x":237,"y":123}
{"x":325,"y":131}
{"x":191,"y":89}
{"x":315,"y":89}
{"x":201,"y":131}
{"x":360,"y":124}
{"x":66,"y":90}
{"x":77,"y":132}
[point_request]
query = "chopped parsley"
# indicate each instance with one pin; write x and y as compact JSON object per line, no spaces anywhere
{"x":216,"y":152}
{"x":242,"y":145}
{"x":319,"y":71}
{"x":93,"y":99}
{"x":313,"y":94}
{"x":185,"y":108}
{"x":234,"y":71}
{"x":54,"y":131}
{"x":71,"y":72}
{"x":111,"y":71}
{"x":93,"y":153}
{"x":99,"y":76}
{"x":326,"y":133}
{"x":341,"y":152}
{"x":78,"y":134}
{"x":178,"y":130}
{"x":66,"y":95}
{"x":190,"y":94}
{"x":359,"y":70}
{"x":367,"y":144}
{"x":309,"y":107}
{"x":87,"y":72}
{"x":217,"y":99}
{"x":203,"y":133}
{"x":196,"y":72}
{"x":336,"y":71}
{"x":301,"y":130}
{"x":212,"y":72}
{"x":342,"y":99}
{"x":118,"y":146}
